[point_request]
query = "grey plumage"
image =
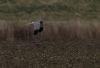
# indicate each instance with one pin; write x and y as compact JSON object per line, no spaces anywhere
{"x":37,"y":26}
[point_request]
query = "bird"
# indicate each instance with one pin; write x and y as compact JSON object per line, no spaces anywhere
{"x":37,"y":26}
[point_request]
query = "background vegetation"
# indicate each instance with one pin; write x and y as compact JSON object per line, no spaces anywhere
{"x":62,"y":9}
{"x":71,"y":38}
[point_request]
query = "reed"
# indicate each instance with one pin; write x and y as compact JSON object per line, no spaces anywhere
{"x":54,"y":31}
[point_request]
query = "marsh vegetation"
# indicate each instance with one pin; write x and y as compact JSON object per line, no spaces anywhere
{"x":71,"y":36}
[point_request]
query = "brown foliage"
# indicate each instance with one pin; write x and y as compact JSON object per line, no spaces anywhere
{"x":52,"y":31}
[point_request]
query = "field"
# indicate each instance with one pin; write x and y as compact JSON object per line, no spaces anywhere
{"x":71,"y":38}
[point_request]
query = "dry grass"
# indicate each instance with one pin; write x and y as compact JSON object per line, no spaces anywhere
{"x":56,"y":30}
{"x":63,"y":44}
